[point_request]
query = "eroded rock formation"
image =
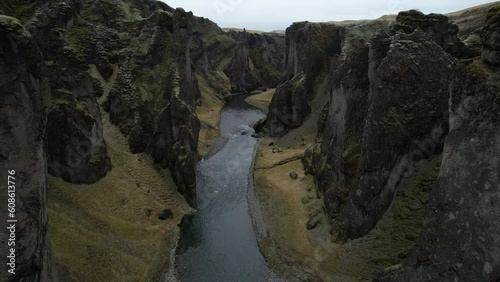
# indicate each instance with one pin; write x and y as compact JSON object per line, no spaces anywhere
{"x":403,"y":99}
{"x":459,"y":239}
{"x":24,"y":102}
{"x":309,"y":48}
{"x":85,"y":67}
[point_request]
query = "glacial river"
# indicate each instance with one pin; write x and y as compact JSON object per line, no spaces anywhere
{"x":220,"y":243}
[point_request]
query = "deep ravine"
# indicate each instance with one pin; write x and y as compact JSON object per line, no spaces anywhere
{"x":220,"y":243}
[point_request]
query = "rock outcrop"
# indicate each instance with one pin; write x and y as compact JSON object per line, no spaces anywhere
{"x":90,"y":67}
{"x":458,"y":240}
{"x":24,"y":102}
{"x":309,"y":49}
{"x":404,"y":100}
{"x":88,"y":44}
{"x":258,"y":61}
{"x":388,"y":100}
{"x":386,"y":121}
{"x":439,"y":28}
{"x":407,"y":101}
{"x":235,"y":61}
{"x":490,"y":37}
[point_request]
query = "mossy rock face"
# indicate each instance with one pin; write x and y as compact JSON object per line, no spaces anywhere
{"x":493,"y":14}
{"x":460,"y":206}
{"x":312,"y":45}
{"x":76,"y":149}
{"x":351,"y":158}
{"x":24,"y":101}
{"x":289,"y":107}
{"x":408,"y":105}
{"x":438,"y":27}
{"x":490,"y":37}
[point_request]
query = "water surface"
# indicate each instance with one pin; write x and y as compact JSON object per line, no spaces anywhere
{"x":220,"y":243}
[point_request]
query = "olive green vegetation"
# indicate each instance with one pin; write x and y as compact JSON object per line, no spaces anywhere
{"x":269,"y":250}
{"x":351,"y":158}
{"x":390,"y":241}
{"x":494,"y":13}
{"x":474,"y":66}
{"x":271,"y":73}
{"x":112,"y":226}
{"x":121,"y":235}
{"x":77,"y":38}
{"x":393,"y":118}
{"x":261,"y":100}
{"x":20,"y":9}
{"x":212,"y":86}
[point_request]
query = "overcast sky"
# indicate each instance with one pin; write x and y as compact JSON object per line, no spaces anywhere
{"x":270,"y":15}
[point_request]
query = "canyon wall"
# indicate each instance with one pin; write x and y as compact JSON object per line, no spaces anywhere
{"x":401,"y":99}
{"x":89,"y":70}
{"x":458,"y":239}
{"x":24,"y":102}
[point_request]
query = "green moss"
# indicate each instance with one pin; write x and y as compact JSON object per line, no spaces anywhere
{"x":395,"y":233}
{"x":58,"y":102}
{"x":271,"y":73}
{"x":81,"y":108}
{"x":493,"y":14}
{"x":77,"y":39}
{"x":351,"y":158}
{"x":395,"y":118}
{"x":474,"y":66}
{"x":96,"y":161}
{"x":22,"y":9}
{"x":269,"y":250}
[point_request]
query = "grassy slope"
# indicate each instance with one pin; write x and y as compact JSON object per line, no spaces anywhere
{"x":214,"y":84}
{"x":112,"y":226}
{"x":261,"y":100}
{"x":472,"y":18}
{"x":209,"y":115}
{"x":290,"y":246}
{"x":289,"y":242}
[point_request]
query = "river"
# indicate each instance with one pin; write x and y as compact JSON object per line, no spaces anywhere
{"x":220,"y":243}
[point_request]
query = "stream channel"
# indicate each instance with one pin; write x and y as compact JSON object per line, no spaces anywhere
{"x":220,"y":244}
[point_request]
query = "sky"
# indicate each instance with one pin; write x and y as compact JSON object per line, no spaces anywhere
{"x":268,"y":15}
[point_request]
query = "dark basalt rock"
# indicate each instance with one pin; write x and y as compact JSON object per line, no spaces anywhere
{"x":76,"y":147}
{"x":458,"y":240}
{"x":24,"y":98}
{"x":258,"y":61}
{"x":309,"y":48}
{"x":438,"y":27}
{"x":388,"y":94}
{"x":288,"y":110}
{"x":166,"y":214}
{"x":490,"y":37}
{"x":406,"y":103}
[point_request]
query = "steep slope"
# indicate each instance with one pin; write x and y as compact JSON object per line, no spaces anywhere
{"x":123,"y":124}
{"x":376,"y":125}
{"x":25,"y":94}
{"x":463,"y":205}
{"x":227,"y":62}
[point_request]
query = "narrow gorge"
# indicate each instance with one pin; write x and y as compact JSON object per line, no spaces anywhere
{"x":149,"y":144}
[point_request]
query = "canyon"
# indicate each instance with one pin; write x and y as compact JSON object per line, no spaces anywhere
{"x":378,"y":157}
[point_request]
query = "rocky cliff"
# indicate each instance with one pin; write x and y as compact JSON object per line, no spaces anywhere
{"x":227,"y":62}
{"x":394,"y":109}
{"x":309,"y":48}
{"x":458,"y":239}
{"x":24,"y":103}
{"x":117,"y":90}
